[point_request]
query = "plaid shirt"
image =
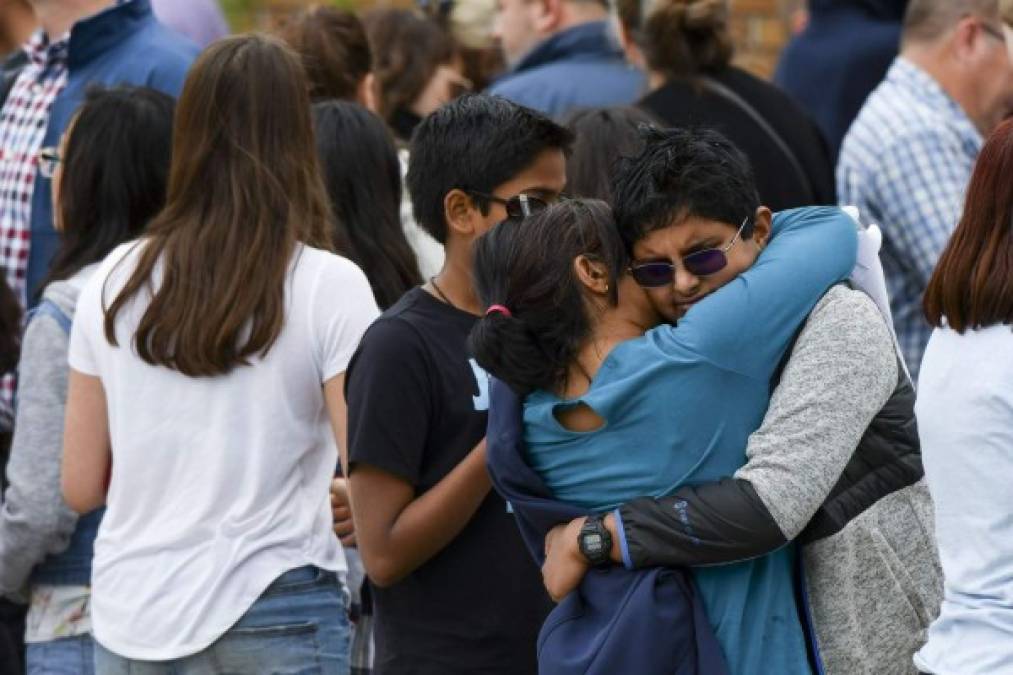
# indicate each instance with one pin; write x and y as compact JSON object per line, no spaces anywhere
{"x":905,"y":163}
{"x":23,"y":123}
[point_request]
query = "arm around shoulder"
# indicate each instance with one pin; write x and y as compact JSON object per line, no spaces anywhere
{"x":841,"y":372}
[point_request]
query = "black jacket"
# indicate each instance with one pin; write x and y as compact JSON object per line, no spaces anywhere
{"x":788,"y":154}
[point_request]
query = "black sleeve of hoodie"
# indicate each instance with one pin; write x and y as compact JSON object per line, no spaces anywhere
{"x":707,"y":524}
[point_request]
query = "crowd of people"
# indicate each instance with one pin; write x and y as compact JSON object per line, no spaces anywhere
{"x":521,"y":337}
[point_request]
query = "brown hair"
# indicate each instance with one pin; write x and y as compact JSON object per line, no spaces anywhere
{"x":408,"y":47}
{"x":972,"y":285}
{"x":244,"y":187}
{"x":679,"y":38}
{"x":334,"y":50}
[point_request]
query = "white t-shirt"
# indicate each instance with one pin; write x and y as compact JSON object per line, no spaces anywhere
{"x":219,"y":484}
{"x":965,"y":422}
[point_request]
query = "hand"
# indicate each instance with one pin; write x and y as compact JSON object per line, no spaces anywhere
{"x":341,"y":509}
{"x":564,"y":566}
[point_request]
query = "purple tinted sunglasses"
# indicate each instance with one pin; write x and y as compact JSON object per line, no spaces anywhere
{"x":700,"y":264}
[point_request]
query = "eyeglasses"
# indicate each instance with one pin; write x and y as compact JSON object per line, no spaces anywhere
{"x":517,"y":207}
{"x":48,"y":159}
{"x":700,"y":264}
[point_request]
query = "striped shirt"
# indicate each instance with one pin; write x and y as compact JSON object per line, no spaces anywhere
{"x":905,"y":163}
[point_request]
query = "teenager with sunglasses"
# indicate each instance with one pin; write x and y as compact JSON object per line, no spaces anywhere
{"x":611,"y":413}
{"x":871,"y":577}
{"x":454,"y":591}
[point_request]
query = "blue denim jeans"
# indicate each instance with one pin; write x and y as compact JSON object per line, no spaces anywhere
{"x":299,"y":626}
{"x":66,"y":656}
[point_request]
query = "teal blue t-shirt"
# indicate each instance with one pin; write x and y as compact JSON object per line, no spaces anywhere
{"x":679,"y":405}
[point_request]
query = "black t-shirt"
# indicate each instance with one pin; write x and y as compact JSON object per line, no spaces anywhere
{"x":417,"y":405}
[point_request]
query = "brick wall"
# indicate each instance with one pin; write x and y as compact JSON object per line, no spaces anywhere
{"x":761,"y":28}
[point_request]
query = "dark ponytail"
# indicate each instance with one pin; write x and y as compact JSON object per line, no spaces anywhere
{"x":527,"y":267}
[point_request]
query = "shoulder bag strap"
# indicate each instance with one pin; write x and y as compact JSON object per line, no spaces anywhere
{"x":726,"y":93}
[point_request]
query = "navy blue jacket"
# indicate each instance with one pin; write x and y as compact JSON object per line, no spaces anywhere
{"x":122,"y":45}
{"x":832,"y":66}
{"x":618,"y":621}
{"x":581,"y":67}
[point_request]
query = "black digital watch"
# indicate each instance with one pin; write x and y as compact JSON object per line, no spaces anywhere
{"x":595,"y":542}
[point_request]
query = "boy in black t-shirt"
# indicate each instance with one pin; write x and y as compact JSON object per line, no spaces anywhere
{"x":455,"y":591}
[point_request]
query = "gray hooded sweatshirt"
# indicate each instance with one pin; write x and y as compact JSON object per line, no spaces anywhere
{"x":34,"y":520}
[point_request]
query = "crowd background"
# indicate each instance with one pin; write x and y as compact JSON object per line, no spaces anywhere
{"x":360,"y":135}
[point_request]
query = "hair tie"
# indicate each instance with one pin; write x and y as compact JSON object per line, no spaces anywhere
{"x":498,"y":309}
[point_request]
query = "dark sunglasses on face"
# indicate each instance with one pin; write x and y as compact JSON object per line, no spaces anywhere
{"x":700,"y":264}
{"x":519,"y":206}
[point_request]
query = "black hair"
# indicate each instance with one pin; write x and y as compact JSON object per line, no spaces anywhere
{"x":602,"y":137}
{"x":474,"y":143}
{"x":527,"y":266}
{"x":115,"y":170}
{"x":363,"y":178}
{"x":683,"y":173}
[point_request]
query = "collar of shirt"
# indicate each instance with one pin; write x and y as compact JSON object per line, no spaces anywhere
{"x":45,"y":53}
{"x":907,"y":76}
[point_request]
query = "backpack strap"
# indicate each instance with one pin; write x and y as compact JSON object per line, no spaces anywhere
{"x":726,"y":93}
{"x":52,"y":310}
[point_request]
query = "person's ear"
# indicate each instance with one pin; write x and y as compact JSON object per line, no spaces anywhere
{"x":634,"y":56}
{"x":548,"y":15}
{"x":966,"y":38}
{"x":460,"y":212}
{"x":762,"y":220}
{"x":592,"y":274}
{"x":366,"y":93}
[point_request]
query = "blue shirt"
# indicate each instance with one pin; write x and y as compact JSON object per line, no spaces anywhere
{"x":679,"y":405}
{"x":905,"y":164}
{"x":124,"y":44}
{"x":581,"y":67}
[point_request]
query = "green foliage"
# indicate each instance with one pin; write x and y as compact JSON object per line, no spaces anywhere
{"x":246,"y":15}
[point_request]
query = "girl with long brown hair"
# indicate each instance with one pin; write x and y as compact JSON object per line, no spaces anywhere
{"x":965,"y":421}
{"x":205,"y":393}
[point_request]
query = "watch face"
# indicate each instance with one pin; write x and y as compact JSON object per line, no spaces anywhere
{"x":593,"y":543}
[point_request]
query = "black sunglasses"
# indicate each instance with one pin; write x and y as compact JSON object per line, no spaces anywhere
{"x":517,"y":207}
{"x":700,"y":264}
